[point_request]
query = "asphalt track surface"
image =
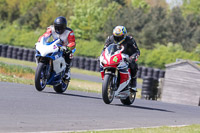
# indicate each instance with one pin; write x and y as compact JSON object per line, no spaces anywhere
{"x":92,"y":78}
{"x":23,"y":109}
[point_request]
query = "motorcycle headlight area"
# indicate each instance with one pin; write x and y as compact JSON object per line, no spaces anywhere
{"x":104,"y":61}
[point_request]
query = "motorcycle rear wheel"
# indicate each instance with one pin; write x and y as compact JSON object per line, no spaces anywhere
{"x":107,"y":92}
{"x":40,"y":80}
{"x":61,"y":87}
{"x":130,"y":99}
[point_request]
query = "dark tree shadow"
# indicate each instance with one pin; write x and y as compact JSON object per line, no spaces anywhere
{"x":74,"y":95}
{"x":142,"y":107}
{"x":120,"y":105}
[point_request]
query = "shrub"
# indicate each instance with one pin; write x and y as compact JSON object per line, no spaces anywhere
{"x":91,"y":48}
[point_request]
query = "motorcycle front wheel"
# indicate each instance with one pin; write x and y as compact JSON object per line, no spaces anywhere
{"x":130,"y":99}
{"x":40,"y":78}
{"x":107,"y":92}
{"x":61,"y":87}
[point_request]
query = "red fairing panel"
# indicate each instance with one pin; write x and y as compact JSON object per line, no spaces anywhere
{"x":102,"y":75}
{"x":116,"y":59}
{"x":123,"y":77}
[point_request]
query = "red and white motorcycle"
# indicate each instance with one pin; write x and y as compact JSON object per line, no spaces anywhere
{"x":115,"y":74}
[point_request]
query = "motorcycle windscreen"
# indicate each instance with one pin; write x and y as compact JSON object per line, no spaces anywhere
{"x":113,"y":48}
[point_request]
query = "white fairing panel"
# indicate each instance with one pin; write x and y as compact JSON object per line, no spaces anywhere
{"x":46,"y":49}
{"x":122,"y":86}
{"x":59,"y":65}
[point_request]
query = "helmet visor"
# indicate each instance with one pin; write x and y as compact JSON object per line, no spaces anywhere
{"x":59,"y":29}
{"x":118,"y":38}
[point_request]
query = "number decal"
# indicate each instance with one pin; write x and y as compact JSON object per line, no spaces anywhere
{"x":115,"y":59}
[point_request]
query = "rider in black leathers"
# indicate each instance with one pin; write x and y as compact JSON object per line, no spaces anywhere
{"x":130,"y":47}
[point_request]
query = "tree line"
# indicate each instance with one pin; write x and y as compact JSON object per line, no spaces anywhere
{"x":150,"y":22}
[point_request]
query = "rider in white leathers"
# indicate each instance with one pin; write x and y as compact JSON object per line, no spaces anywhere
{"x":60,"y":31}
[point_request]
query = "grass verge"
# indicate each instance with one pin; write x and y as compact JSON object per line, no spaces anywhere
{"x":33,"y":65}
{"x":25,"y":75}
{"x":164,"y":129}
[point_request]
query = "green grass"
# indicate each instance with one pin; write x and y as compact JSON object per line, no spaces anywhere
{"x":17,"y":62}
{"x":15,"y":69}
{"x":15,"y":79}
{"x":25,"y":75}
{"x":33,"y":65}
{"x":163,"y":129}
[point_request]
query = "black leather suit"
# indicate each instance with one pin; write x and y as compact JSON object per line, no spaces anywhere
{"x":130,"y":48}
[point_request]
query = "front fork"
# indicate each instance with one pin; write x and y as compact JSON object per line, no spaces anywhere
{"x":49,"y":66}
{"x":114,"y":83}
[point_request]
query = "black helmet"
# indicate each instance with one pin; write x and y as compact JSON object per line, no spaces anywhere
{"x":60,"y":24}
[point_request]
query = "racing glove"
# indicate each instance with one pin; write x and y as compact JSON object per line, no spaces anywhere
{"x":133,"y":58}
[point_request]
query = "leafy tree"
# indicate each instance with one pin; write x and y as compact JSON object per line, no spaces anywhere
{"x":191,"y":7}
{"x":155,"y":31}
{"x":31,"y":18}
{"x":175,"y":24}
{"x":12,"y":9}
{"x":183,"y":30}
{"x":133,"y":19}
{"x":140,"y":4}
{"x":27,"y":5}
{"x":54,"y":9}
{"x":90,"y":17}
{"x":3,"y":10}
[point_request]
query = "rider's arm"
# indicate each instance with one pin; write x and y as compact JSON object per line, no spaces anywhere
{"x":46,"y":34}
{"x":108,"y":41}
{"x":136,"y":54}
{"x":71,"y":40}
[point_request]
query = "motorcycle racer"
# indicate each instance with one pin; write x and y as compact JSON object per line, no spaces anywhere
{"x":130,"y":48}
{"x":59,"y":30}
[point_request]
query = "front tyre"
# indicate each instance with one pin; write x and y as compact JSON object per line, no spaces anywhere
{"x":61,"y":87}
{"x":40,"y":78}
{"x":130,"y":99}
{"x":107,"y":92}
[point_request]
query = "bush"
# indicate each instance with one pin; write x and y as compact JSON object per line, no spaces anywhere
{"x":91,"y":48}
{"x":163,"y":55}
{"x":13,"y":35}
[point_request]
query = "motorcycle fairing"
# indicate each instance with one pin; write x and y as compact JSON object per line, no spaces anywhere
{"x":59,"y":65}
{"x":55,"y":79}
{"x":124,"y":79}
{"x":124,"y":75}
{"x":51,"y":50}
{"x":45,"y":49}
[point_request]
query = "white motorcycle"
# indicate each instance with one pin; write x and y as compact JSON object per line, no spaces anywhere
{"x":51,"y":65}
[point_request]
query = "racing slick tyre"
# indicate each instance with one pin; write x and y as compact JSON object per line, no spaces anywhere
{"x":61,"y":87}
{"x":40,"y":78}
{"x":107,"y":92}
{"x":130,"y":99}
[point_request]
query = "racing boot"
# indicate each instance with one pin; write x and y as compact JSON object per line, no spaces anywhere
{"x":67,"y":75}
{"x":133,"y":84}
